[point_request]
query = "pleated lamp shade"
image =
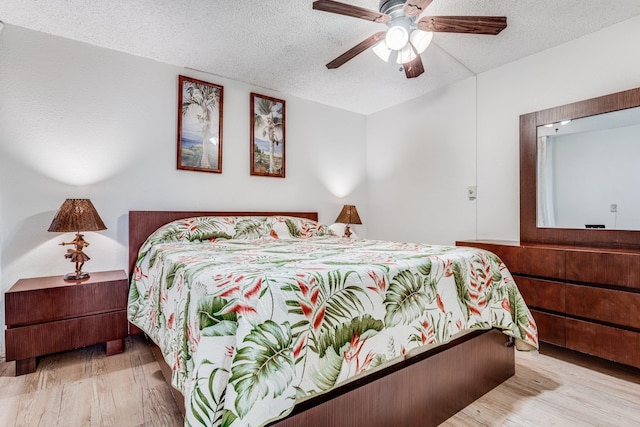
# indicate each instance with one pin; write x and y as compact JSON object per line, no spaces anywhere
{"x":77,"y":215}
{"x":349,"y":215}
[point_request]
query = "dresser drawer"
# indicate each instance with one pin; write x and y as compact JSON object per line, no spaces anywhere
{"x":606,"y":268}
{"x":546,"y":294}
{"x":39,"y":300}
{"x":529,"y":260}
{"x":541,"y":262}
{"x":551,"y":328}
{"x":605,"y":305}
{"x":604,"y":341}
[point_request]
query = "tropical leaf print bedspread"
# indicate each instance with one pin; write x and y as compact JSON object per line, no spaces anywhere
{"x":253,"y":314}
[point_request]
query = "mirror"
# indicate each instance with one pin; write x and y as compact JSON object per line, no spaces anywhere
{"x":567,"y":205}
{"x":587,"y":172}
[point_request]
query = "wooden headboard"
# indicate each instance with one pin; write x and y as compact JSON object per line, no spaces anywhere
{"x":143,"y":223}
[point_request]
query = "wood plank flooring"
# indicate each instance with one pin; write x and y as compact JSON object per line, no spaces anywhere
{"x":567,"y":389}
{"x":86,"y":388}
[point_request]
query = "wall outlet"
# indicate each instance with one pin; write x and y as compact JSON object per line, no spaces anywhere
{"x":472,"y":192}
{"x":614,"y":207}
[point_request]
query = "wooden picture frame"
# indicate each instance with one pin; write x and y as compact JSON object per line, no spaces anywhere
{"x":267,"y":145}
{"x":199,"y":125}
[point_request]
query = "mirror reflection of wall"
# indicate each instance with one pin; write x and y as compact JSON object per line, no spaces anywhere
{"x":589,"y":172}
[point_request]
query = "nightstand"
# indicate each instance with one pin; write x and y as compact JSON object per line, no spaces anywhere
{"x":47,"y":315}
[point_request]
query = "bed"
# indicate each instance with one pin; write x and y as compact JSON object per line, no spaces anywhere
{"x":266,"y":318}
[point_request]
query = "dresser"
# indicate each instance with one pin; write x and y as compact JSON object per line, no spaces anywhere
{"x":585,"y":299}
{"x":45,"y":315}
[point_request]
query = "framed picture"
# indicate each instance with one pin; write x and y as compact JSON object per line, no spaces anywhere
{"x":199,"y":125}
{"x":267,"y":136}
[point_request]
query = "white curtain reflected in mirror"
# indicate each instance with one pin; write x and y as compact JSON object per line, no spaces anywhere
{"x":546,"y":217}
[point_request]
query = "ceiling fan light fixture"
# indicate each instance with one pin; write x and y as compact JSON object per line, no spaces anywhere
{"x":397,"y":37}
{"x":421,"y":40}
{"x":407,"y":35}
{"x":406,"y":54}
{"x":382,"y":50}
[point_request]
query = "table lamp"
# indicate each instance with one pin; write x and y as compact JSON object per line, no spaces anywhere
{"x":76,"y":215}
{"x":348,"y":215}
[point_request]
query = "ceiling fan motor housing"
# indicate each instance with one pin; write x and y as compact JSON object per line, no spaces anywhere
{"x":393,"y":8}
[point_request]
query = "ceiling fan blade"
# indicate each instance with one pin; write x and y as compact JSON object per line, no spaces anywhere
{"x":349,"y":10}
{"x":416,"y":7}
{"x":357,"y":49}
{"x":413,"y":68}
{"x":490,"y":25}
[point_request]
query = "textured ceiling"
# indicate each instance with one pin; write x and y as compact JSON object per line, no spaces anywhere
{"x":283,"y":45}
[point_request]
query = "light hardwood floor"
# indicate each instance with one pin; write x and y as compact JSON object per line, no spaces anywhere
{"x":567,"y":389}
{"x":86,"y":388}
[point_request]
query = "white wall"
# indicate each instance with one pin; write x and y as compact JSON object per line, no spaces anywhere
{"x":86,"y":122}
{"x":421,"y":158}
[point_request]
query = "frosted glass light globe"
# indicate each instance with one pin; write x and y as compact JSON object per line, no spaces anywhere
{"x":421,"y":40}
{"x":397,"y":37}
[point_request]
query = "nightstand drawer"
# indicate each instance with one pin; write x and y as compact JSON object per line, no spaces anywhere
{"x":47,"y":299}
{"x":64,"y":335}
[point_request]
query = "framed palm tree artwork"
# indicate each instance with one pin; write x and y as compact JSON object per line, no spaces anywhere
{"x":267,"y":136}
{"x":199,"y":125}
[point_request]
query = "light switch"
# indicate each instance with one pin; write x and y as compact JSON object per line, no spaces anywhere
{"x":472,"y":191}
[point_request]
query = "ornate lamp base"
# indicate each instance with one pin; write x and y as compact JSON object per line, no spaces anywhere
{"x":77,"y":275}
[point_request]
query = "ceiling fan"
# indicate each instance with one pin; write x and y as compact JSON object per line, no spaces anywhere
{"x":407,"y":36}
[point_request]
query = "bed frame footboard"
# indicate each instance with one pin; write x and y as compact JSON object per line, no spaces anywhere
{"x":422,"y":391}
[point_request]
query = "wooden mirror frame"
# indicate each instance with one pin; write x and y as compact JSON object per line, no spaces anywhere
{"x":529,"y":231}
